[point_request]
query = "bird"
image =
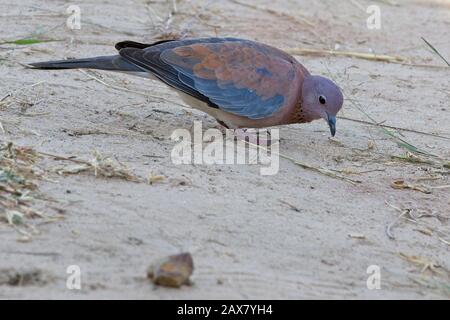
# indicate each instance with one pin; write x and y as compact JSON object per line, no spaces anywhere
{"x":241,"y":83}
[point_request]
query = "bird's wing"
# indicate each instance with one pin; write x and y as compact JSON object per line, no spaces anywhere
{"x":238,"y":76}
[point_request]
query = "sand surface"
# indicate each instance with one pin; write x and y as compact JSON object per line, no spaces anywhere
{"x":296,"y":234}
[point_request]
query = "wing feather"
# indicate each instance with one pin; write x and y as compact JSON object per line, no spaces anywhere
{"x":238,"y":76}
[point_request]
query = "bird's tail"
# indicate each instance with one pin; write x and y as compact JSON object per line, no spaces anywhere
{"x":112,"y":63}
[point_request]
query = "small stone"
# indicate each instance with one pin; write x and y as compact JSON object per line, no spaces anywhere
{"x":357,"y":236}
{"x":173,"y":271}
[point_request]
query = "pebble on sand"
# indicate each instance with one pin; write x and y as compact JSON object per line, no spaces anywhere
{"x":172,"y":271}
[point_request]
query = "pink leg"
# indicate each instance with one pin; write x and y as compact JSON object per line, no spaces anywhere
{"x":249,"y":135}
{"x":253,"y":137}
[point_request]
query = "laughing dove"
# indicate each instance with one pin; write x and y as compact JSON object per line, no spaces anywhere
{"x":241,"y":83}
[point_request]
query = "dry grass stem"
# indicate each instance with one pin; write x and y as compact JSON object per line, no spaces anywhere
{"x":19,"y":193}
{"x":100,"y":166}
{"x":351,"y":54}
{"x":321,"y":170}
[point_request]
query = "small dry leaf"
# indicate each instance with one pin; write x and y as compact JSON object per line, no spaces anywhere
{"x":24,"y":238}
{"x":427,"y":232}
{"x":173,"y":271}
{"x":155,"y":178}
{"x":357,"y":236}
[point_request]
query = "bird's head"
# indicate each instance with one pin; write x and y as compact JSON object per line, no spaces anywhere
{"x":321,"y":98}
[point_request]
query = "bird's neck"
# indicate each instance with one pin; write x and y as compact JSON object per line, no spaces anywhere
{"x":299,"y":115}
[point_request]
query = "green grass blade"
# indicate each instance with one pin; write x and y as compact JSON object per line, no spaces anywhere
{"x":22,"y":42}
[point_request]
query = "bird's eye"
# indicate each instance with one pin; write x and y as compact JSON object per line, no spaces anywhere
{"x":322,"y":99}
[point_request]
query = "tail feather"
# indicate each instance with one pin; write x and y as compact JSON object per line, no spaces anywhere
{"x":112,"y":63}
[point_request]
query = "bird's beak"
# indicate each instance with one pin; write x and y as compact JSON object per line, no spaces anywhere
{"x":332,"y":124}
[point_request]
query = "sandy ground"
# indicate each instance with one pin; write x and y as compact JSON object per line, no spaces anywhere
{"x":297,"y":234}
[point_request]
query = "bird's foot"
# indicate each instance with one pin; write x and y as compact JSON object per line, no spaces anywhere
{"x":257,"y":137}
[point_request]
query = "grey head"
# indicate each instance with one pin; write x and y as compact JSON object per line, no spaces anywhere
{"x":321,"y":98}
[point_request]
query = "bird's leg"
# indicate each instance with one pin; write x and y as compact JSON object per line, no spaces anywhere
{"x":254,"y":137}
{"x":248,"y":135}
